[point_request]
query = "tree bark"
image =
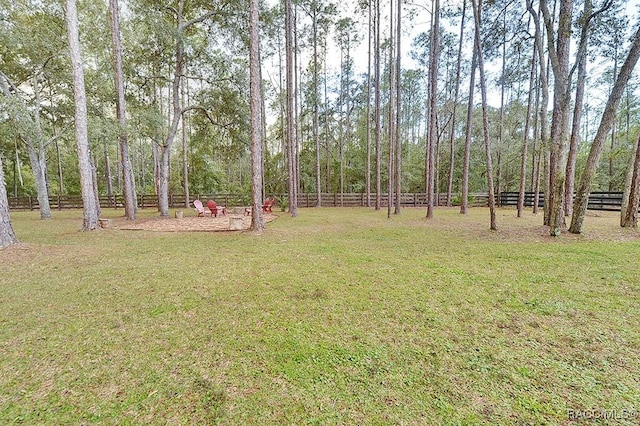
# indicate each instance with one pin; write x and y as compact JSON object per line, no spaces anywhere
{"x":559,"y":55}
{"x":377,"y":101}
{"x":606,"y":122}
{"x":7,"y":235}
{"x":316,"y":101}
{"x":464,"y":204}
{"x":398,"y":87}
{"x":38,"y":158}
{"x":542,"y":110}
{"x":525,"y":142}
{"x":485,"y":122}
{"x":391,"y":118}
{"x":627,"y":182}
{"x":33,"y":140}
{"x":368,"y":108}
{"x":452,"y":136}
{"x":255,"y":102}
{"x":433,"y":91}
{"x":90,"y":209}
{"x":581,"y":63}
{"x":290,"y":134}
{"x":631,"y":212}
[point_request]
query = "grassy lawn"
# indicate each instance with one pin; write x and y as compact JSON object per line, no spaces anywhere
{"x":340,"y":316}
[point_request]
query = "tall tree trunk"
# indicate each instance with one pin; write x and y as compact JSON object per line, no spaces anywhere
{"x":94,"y":181}
{"x":185,"y":157}
{"x":108,"y":175}
{"x":525,"y":142}
{"x":90,"y":209}
{"x":326,"y":126}
{"x":500,"y":178}
{"x":377,"y":108}
{"x":293,"y":208}
{"x":581,"y":59}
{"x":165,"y":149}
{"x":467,"y":139}
{"x":559,"y":55}
{"x":367,"y":175}
{"x":316,"y":101}
{"x":575,"y":137}
{"x":59,"y":164}
{"x":485,"y":122}
{"x":391,"y":118}
{"x":542,"y":110}
{"x":398,"y":81}
{"x":613,"y":131}
{"x":38,"y":158}
{"x":606,"y":122}
{"x":255,"y":102}
{"x":452,"y":135}
{"x":433,"y":92}
{"x":296,"y":115}
{"x":7,"y":236}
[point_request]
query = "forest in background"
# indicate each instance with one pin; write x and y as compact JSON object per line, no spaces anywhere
{"x":390,"y":128}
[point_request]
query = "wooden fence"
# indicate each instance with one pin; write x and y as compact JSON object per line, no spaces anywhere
{"x":610,"y":201}
{"x":234,"y":200}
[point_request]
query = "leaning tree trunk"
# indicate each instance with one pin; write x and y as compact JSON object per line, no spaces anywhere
{"x":606,"y":122}
{"x":7,"y":236}
{"x":577,"y":111}
{"x":90,"y":208}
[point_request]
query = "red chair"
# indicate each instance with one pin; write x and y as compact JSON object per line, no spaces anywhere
{"x":213,"y":208}
{"x":268,"y":204}
{"x":216,"y":209}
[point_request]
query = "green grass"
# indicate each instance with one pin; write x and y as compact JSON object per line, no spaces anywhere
{"x":339,"y":316}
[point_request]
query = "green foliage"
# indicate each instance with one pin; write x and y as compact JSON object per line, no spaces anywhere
{"x":456,"y":199}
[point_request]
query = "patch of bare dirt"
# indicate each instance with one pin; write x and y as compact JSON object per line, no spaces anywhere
{"x":187,"y":223}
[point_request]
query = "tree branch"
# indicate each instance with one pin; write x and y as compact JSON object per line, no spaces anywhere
{"x":58,"y":135}
{"x":206,"y":113}
{"x":204,"y":17}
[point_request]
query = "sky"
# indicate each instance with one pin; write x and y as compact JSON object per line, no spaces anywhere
{"x":419,"y":22}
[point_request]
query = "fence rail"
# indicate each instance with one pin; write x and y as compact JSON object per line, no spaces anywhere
{"x":609,"y":201}
{"x":234,"y":200}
